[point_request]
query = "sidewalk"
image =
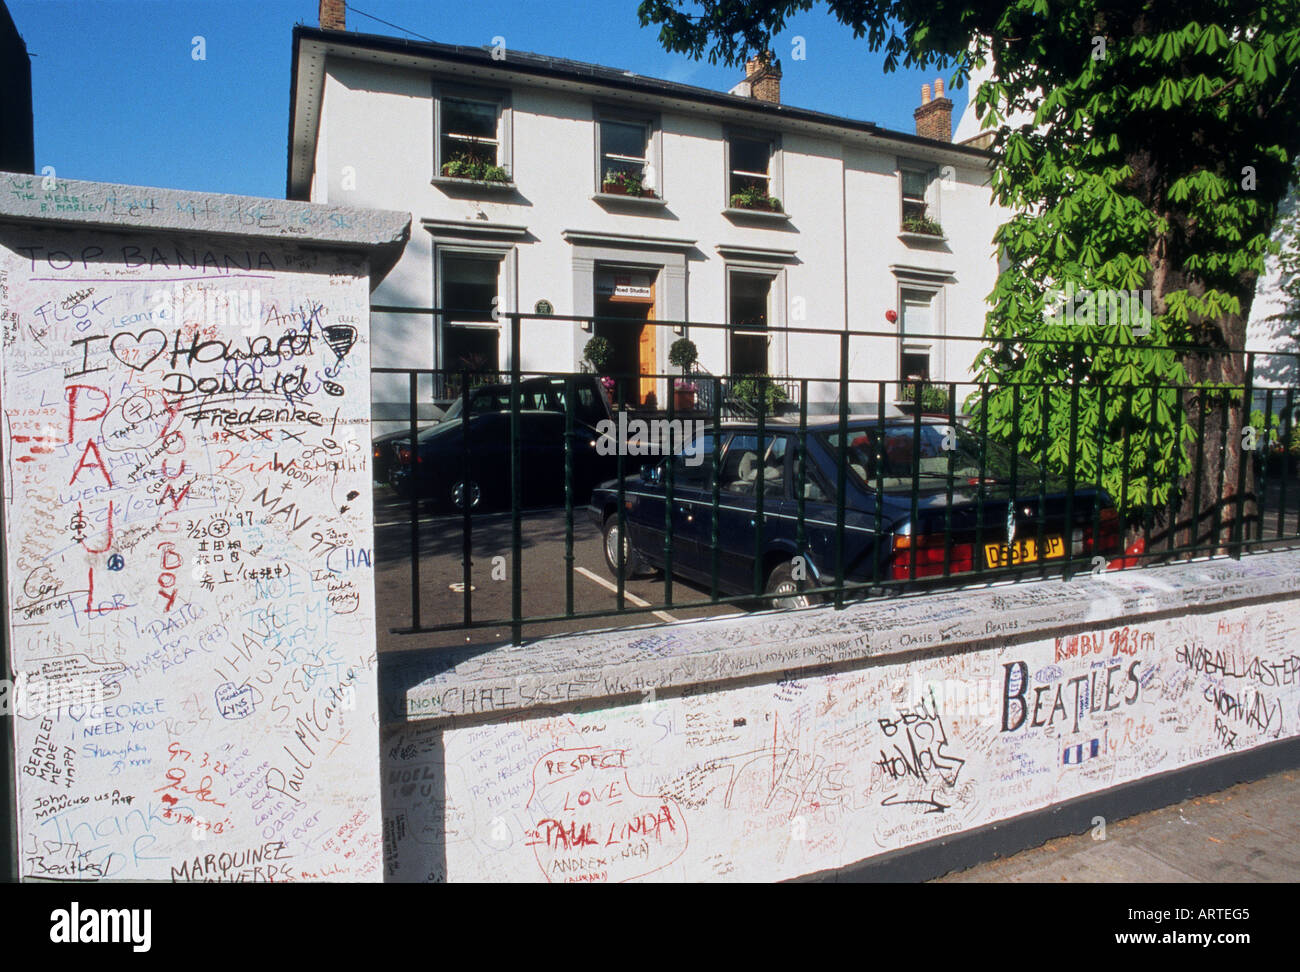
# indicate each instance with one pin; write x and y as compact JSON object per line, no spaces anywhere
{"x":1248,"y":833}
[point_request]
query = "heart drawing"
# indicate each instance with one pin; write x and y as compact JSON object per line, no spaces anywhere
{"x":134,"y":351}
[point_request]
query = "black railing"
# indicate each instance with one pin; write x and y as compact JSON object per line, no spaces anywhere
{"x":888,"y":514}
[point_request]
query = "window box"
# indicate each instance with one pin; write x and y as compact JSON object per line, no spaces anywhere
{"x":453,"y":183}
{"x":922,"y":239}
{"x":756,"y":202}
{"x":934,"y":398}
{"x":922,"y":226}
{"x":613,"y":200}
{"x":472,"y":169}
{"x":622,"y":185}
{"x":755,"y":215}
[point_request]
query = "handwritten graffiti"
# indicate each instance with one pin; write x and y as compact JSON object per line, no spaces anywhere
{"x":171,"y":434}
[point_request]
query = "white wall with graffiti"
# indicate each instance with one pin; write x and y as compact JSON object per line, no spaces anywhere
{"x":188,"y":545}
{"x":761,"y":782}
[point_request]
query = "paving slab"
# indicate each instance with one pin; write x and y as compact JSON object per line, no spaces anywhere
{"x":1249,"y":833}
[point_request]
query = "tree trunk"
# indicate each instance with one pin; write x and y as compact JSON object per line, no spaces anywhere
{"x":1216,"y":501}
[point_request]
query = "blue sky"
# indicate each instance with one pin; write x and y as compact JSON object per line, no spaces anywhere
{"x":118,"y":96}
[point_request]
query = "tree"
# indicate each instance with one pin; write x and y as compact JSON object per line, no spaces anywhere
{"x":1160,"y":145}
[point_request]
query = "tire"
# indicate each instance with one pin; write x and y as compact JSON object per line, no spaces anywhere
{"x":455,"y":496}
{"x":782,"y":581}
{"x":632,"y":562}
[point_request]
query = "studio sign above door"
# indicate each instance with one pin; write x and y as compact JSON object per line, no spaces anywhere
{"x":625,"y":285}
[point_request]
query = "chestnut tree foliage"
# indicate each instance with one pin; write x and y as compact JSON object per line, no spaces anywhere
{"x":1159,"y":142}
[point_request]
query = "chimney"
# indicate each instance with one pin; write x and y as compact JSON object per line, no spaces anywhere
{"x":763,"y":77}
{"x":934,"y":117}
{"x":332,"y":14}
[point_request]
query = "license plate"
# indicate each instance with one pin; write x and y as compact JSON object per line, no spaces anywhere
{"x":1022,"y":551}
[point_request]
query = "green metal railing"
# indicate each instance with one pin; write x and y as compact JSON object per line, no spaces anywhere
{"x":1241,"y":510}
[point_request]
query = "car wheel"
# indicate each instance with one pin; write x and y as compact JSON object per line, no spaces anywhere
{"x":632,"y":563}
{"x":458,"y":492}
{"x":792,"y":593}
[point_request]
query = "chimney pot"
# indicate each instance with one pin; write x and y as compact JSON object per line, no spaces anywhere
{"x":333,"y":15}
{"x":934,"y":117}
{"x":763,"y":76}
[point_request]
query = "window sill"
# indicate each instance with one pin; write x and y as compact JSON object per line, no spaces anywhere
{"x":765,"y":215}
{"x":450,"y":182}
{"x":641,"y":202}
{"x":909,"y":237}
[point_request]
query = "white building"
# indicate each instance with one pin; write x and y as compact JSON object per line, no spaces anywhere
{"x":503,"y":159}
{"x":1269,"y":329}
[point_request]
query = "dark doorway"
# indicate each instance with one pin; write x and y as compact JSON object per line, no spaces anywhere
{"x":632,"y":338}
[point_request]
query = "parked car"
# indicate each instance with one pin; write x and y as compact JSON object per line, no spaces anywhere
{"x":545,"y":394}
{"x":385,"y":451}
{"x":392,"y":452}
{"x":879,"y":479}
{"x":445,"y":476}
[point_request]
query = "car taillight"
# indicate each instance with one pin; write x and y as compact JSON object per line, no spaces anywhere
{"x":929,"y":551}
{"x":1106,"y":540}
{"x":404,"y":455}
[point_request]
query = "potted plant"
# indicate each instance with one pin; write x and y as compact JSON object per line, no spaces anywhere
{"x":755,"y":198}
{"x":684,"y":354}
{"x":923,"y":225}
{"x":934,"y":398}
{"x":471,"y":166}
{"x":746,"y":391}
{"x":624,"y":184}
{"x":598,"y":352}
{"x":684,"y":396}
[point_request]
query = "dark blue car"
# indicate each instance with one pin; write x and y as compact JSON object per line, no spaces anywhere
{"x":1020,"y":525}
{"x":447,"y":472}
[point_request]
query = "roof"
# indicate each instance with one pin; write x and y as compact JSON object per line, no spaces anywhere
{"x":543,"y":68}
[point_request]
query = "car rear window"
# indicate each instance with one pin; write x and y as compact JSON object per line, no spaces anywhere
{"x":927,"y":456}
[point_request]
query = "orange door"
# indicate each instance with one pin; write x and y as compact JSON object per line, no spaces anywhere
{"x":646,"y":359}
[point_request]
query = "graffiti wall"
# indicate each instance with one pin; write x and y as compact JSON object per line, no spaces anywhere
{"x":188,"y":558}
{"x":771,"y":781}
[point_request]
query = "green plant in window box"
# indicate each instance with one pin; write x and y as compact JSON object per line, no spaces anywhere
{"x":468,"y":166}
{"x":922,"y":224}
{"x":624,"y":184}
{"x":934,"y":398}
{"x":753,"y":198}
{"x":746,"y":391}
